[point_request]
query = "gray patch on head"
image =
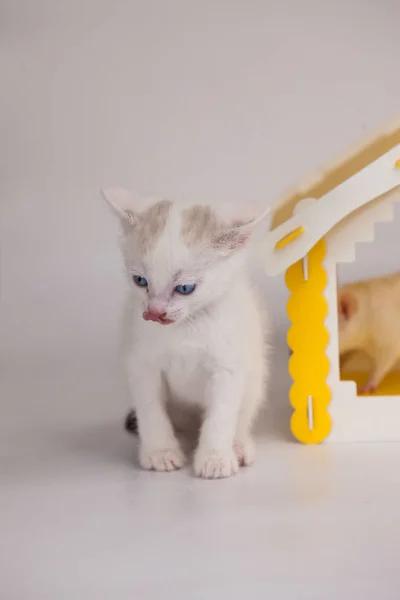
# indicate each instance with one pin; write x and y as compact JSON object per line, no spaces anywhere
{"x":152,"y":223}
{"x":200,"y":223}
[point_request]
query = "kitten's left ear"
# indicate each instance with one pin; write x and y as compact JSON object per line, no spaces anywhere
{"x":348,"y":305}
{"x":242,"y":229}
{"x":122,"y":202}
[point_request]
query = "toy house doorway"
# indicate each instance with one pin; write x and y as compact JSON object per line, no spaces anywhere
{"x":376,"y":259}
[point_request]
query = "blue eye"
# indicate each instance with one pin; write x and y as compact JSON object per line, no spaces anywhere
{"x":140,"y":281}
{"x":185,"y":289}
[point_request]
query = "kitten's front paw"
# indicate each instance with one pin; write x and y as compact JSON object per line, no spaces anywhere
{"x":165,"y":459}
{"x":245,"y":451}
{"x":215,"y":464}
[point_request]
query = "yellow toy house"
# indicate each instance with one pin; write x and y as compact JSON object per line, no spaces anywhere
{"x":314,"y":228}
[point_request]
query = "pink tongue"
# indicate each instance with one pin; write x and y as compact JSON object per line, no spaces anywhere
{"x":148,"y":316}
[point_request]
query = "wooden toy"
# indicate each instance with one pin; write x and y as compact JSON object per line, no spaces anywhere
{"x":314,"y":228}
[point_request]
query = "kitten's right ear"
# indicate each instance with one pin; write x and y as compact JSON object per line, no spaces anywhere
{"x":122,"y":202}
{"x":348,"y":305}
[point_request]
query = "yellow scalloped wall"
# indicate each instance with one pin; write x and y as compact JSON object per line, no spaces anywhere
{"x":308,"y":338}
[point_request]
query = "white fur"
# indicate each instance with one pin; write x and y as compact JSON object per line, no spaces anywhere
{"x":212,"y":357}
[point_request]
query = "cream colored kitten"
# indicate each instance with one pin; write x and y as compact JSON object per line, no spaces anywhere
{"x":195,"y":333}
{"x":369,"y":320}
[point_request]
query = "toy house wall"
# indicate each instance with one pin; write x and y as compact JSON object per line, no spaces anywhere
{"x":378,"y":258}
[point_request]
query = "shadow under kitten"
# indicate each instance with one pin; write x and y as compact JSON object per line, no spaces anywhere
{"x":131,"y":422}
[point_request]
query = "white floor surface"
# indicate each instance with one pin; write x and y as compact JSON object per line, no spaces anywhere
{"x":79,"y":520}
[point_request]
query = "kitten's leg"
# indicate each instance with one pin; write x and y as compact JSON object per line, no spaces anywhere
{"x":215,"y":457}
{"x":382,"y":365}
{"x":244,"y":445}
{"x":159,"y":449}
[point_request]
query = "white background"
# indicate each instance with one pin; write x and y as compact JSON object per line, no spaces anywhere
{"x":219,"y":100}
{"x":224,"y":100}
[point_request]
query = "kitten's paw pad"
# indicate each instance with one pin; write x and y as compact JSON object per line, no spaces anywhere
{"x":245,"y":452}
{"x":215,"y":465}
{"x":368,"y":388}
{"x":166,"y":459}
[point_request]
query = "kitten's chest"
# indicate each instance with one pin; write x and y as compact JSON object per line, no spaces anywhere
{"x":187,"y":371}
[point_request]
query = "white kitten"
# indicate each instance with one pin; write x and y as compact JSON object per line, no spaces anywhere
{"x":196,"y":333}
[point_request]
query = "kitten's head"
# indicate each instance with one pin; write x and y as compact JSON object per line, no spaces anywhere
{"x":179,"y":259}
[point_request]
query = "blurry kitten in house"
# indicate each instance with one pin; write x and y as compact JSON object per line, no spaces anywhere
{"x":194,"y":331}
{"x":369,"y":320}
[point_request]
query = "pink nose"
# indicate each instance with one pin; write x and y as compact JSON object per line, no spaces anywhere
{"x":157,"y":317}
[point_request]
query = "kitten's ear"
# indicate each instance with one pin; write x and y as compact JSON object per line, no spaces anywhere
{"x":122,"y":202}
{"x":243,"y":227}
{"x":348,"y":305}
